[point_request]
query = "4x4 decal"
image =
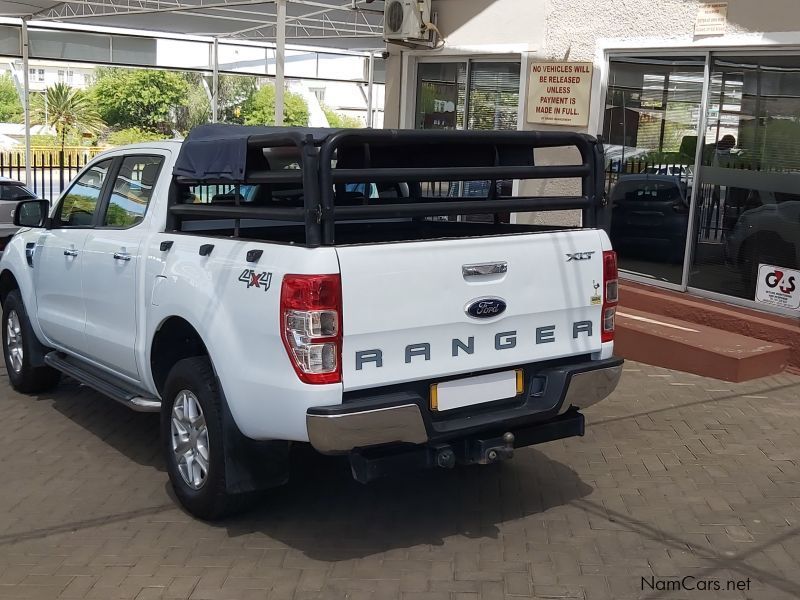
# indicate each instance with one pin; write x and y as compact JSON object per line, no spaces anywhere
{"x":253,"y":279}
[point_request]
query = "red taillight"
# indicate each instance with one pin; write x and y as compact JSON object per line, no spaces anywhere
{"x":610,"y":295}
{"x":311,"y":326}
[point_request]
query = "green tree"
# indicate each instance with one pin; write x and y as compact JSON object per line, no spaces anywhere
{"x":67,"y":110}
{"x":259,"y":109}
{"x":340,"y":121}
{"x":144,"y":98}
{"x":10,"y":106}
{"x":132,"y":135}
{"x":234,"y":92}
{"x":197,"y":109}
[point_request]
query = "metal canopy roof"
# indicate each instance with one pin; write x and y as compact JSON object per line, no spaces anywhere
{"x":351,"y":24}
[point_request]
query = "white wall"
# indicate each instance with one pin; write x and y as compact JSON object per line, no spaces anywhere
{"x":478,"y":23}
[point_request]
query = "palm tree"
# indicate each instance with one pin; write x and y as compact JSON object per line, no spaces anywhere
{"x":67,"y":110}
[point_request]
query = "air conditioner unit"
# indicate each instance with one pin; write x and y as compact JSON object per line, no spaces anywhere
{"x":406,"y":19}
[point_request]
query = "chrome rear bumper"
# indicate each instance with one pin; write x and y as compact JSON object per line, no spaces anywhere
{"x":362,"y":424}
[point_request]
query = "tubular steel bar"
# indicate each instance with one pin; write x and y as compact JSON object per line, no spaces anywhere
{"x":210,"y":211}
{"x":592,"y":202}
{"x":457,"y":173}
{"x":467,"y":206}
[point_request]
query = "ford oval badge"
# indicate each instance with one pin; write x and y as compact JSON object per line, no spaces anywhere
{"x":485,"y":308}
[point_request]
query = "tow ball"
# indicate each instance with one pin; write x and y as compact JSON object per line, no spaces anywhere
{"x":494,"y":450}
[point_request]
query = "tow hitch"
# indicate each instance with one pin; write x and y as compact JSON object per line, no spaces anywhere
{"x":369,"y":465}
{"x":492,"y":450}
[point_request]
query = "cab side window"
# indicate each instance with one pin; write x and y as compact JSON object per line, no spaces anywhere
{"x":132,"y":191}
{"x":80,"y":202}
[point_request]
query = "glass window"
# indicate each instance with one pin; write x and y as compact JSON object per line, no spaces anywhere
{"x":748,"y":200}
{"x":80,"y":202}
{"x":467,"y":95}
{"x":41,"y":74}
{"x":493,"y":95}
{"x":441,"y":95}
{"x":219,"y":194}
{"x":652,"y":116}
{"x":132,"y":191}
{"x":13,"y":191}
{"x":61,"y":76}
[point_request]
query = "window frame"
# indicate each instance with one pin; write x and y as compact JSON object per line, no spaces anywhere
{"x":106,"y":199}
{"x":111,"y":175}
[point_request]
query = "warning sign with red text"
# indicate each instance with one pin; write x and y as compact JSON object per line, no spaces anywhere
{"x":559,"y":93}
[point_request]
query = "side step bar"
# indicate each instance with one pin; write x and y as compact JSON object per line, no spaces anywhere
{"x":98,"y":381}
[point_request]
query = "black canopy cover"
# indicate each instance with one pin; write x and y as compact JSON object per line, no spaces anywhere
{"x":219,"y":152}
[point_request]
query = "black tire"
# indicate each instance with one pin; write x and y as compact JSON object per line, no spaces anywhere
{"x":24,"y":377}
{"x":210,"y":500}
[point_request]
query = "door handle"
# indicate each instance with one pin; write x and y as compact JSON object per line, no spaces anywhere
{"x":122,"y":256}
{"x":484,"y":269}
{"x":70,"y":253}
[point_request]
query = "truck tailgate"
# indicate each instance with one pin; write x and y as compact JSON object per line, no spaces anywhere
{"x":405,"y":305}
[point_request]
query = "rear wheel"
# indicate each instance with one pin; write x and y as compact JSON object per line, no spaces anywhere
{"x":19,"y":347}
{"x":193,"y":440}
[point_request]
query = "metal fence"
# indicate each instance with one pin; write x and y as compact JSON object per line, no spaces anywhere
{"x":51,"y":171}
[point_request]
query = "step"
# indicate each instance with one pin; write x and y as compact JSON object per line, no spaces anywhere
{"x":685,"y":346}
{"x":99,"y":381}
{"x":719,"y":315}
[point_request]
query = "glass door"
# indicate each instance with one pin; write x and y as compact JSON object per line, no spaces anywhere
{"x":652,"y":117}
{"x":748,"y":203}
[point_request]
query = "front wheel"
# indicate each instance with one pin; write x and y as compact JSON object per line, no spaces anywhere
{"x":193,"y":441}
{"x":19,"y":346}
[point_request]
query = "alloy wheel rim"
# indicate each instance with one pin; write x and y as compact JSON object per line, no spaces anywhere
{"x":190,"y":439}
{"x":14,"y":347}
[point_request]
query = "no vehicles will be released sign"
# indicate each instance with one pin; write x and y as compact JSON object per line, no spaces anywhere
{"x":559,"y":93}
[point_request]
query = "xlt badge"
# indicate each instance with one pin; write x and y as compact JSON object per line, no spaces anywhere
{"x":485,"y":308}
{"x":579,"y":256}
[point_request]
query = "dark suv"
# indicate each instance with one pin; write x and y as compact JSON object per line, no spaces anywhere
{"x":650,"y":216}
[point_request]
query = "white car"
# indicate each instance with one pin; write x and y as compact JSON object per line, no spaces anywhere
{"x":235,"y":283}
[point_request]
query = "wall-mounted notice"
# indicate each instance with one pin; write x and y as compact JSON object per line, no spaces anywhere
{"x":778,"y":286}
{"x":559,"y":93}
{"x":712,"y":18}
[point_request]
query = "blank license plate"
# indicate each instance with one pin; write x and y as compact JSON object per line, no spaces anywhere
{"x":473,"y":390}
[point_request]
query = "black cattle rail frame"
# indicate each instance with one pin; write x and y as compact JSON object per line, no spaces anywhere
{"x":411,"y":156}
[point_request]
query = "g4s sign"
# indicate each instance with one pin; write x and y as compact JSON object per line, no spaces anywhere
{"x":775,"y":279}
{"x":778,"y":286}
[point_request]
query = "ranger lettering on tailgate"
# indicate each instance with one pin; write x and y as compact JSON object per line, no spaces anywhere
{"x":502,"y":341}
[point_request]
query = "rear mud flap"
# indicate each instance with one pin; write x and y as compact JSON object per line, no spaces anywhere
{"x":252,"y":465}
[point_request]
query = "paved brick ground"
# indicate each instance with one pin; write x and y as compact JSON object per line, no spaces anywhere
{"x":677,"y":476}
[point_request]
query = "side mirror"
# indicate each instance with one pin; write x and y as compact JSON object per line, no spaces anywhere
{"x":31,"y":213}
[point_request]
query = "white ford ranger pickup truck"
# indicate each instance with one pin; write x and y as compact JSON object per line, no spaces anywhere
{"x":366,"y":291}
